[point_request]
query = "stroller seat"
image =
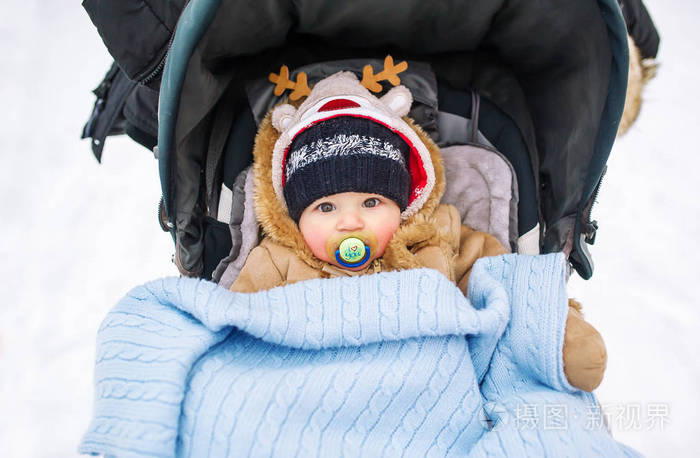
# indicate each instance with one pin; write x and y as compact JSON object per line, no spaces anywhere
{"x":481,"y":182}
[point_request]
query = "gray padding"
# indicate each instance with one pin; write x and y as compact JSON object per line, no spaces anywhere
{"x":454,"y":130}
{"x":244,"y":229}
{"x":480,"y":185}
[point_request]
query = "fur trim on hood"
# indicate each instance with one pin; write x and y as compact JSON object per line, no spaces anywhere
{"x":641,"y":71}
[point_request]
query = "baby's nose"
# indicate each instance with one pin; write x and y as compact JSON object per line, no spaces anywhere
{"x":350,"y":221}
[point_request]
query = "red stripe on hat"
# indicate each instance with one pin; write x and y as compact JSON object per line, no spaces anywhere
{"x":339,"y":104}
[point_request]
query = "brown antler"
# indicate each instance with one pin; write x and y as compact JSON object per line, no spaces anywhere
{"x":390,"y":74}
{"x":300,"y":88}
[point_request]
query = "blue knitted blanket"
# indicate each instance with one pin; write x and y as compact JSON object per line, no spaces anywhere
{"x":376,"y":365}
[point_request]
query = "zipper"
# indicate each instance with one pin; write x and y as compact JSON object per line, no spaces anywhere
{"x":161,"y":65}
{"x":165,"y":224}
{"x":590,"y":227}
{"x":159,"y":68}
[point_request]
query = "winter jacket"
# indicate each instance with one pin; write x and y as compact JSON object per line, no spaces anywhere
{"x":453,"y":254}
{"x":640,"y":27}
{"x":434,"y":237}
{"x":136,"y":32}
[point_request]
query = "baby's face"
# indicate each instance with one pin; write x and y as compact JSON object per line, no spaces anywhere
{"x":333,"y":216}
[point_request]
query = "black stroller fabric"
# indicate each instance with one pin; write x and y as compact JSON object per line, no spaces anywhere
{"x":555,"y":69}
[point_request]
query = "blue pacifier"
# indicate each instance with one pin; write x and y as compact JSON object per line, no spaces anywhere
{"x":352,"y":250}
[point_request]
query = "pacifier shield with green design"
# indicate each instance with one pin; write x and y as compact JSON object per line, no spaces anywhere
{"x":352,"y":250}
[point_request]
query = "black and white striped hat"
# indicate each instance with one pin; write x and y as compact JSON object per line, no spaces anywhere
{"x":345,"y":154}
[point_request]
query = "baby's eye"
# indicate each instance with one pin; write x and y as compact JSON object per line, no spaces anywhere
{"x":326,"y":207}
{"x":371,"y":202}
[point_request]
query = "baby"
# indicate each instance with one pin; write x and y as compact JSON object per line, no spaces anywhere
{"x":347,"y":185}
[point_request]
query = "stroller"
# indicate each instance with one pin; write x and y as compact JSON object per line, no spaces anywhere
{"x":524,"y":100}
{"x":539,"y":87}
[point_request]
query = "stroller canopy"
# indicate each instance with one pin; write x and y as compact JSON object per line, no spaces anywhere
{"x":558,"y":69}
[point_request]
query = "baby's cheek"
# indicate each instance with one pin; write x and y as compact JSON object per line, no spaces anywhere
{"x":384,"y":236}
{"x":315,"y":234}
{"x":317,"y":244}
{"x":382,"y":242}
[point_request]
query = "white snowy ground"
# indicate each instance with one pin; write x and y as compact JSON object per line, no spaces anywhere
{"x":76,"y":236}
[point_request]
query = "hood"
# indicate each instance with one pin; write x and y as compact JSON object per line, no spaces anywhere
{"x":641,"y":71}
{"x":416,"y":230}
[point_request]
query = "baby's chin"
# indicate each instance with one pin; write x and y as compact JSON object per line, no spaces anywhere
{"x":357,"y":268}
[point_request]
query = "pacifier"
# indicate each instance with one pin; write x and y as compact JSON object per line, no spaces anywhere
{"x":352,"y":250}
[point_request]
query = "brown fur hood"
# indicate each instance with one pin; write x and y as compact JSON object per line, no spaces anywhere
{"x":641,"y":71}
{"x":415,"y":232}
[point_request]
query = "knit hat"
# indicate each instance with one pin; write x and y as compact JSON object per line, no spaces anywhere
{"x":343,"y":138}
{"x":343,"y":154}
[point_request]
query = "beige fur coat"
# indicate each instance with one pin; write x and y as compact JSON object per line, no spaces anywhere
{"x":434,"y":237}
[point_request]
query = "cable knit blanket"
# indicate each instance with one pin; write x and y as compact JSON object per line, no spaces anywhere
{"x":376,"y":365}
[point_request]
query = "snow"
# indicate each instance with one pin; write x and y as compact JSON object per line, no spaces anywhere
{"x":641,"y":297}
{"x":78,"y":235}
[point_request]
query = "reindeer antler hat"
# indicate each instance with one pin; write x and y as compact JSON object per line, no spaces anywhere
{"x":343,"y":138}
